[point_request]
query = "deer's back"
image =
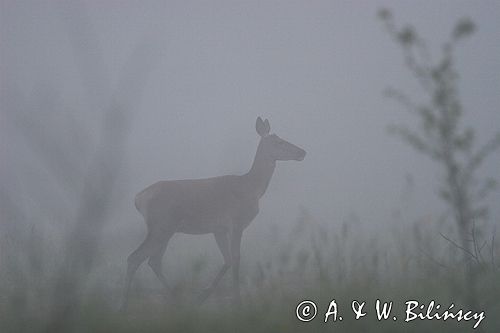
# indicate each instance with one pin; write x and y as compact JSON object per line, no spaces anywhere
{"x":197,"y":202}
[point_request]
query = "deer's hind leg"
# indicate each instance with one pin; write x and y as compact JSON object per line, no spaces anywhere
{"x":150,"y":246}
{"x":155,"y":262}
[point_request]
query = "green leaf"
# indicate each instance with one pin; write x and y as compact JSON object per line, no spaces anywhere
{"x":464,"y":142}
{"x":407,"y":36}
{"x":464,"y":28}
{"x":384,"y":14}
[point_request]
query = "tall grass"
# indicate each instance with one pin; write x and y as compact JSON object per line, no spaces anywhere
{"x":307,"y":259}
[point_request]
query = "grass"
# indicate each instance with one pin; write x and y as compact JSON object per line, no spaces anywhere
{"x":307,"y":260}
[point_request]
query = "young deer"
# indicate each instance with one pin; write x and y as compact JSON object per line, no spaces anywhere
{"x":223,"y":206}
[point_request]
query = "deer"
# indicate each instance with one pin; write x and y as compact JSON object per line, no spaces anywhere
{"x":223,"y":206}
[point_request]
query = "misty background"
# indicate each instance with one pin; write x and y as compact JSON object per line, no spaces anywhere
{"x":317,"y":70}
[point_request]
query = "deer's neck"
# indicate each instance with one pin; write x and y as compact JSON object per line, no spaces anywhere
{"x":260,"y":173}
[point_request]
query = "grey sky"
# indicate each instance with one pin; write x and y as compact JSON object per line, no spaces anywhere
{"x":315,"y":69}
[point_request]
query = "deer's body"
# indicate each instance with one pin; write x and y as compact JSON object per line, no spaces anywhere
{"x":223,"y":206}
{"x":213,"y":205}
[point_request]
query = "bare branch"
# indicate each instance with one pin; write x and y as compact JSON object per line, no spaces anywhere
{"x":414,"y":140}
{"x":460,"y":247}
{"x":432,"y":259}
{"x":477,"y":249}
{"x":401,"y":98}
{"x":493,"y":248}
{"x":423,"y":50}
{"x":482,"y":247}
{"x":408,"y":38}
{"x":421,"y":72}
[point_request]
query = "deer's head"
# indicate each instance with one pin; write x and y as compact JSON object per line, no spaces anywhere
{"x":275,"y":148}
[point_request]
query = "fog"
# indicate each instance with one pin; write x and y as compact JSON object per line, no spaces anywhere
{"x":190,"y":78}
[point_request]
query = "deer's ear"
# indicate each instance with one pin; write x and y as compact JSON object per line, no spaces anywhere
{"x":268,"y":127}
{"x":261,"y":127}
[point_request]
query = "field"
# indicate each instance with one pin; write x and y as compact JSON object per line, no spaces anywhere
{"x":305,"y":261}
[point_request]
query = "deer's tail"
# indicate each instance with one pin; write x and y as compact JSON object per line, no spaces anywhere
{"x":140,"y":202}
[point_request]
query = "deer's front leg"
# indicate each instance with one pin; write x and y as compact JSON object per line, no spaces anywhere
{"x":222,"y":239}
{"x":235,"y":261}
